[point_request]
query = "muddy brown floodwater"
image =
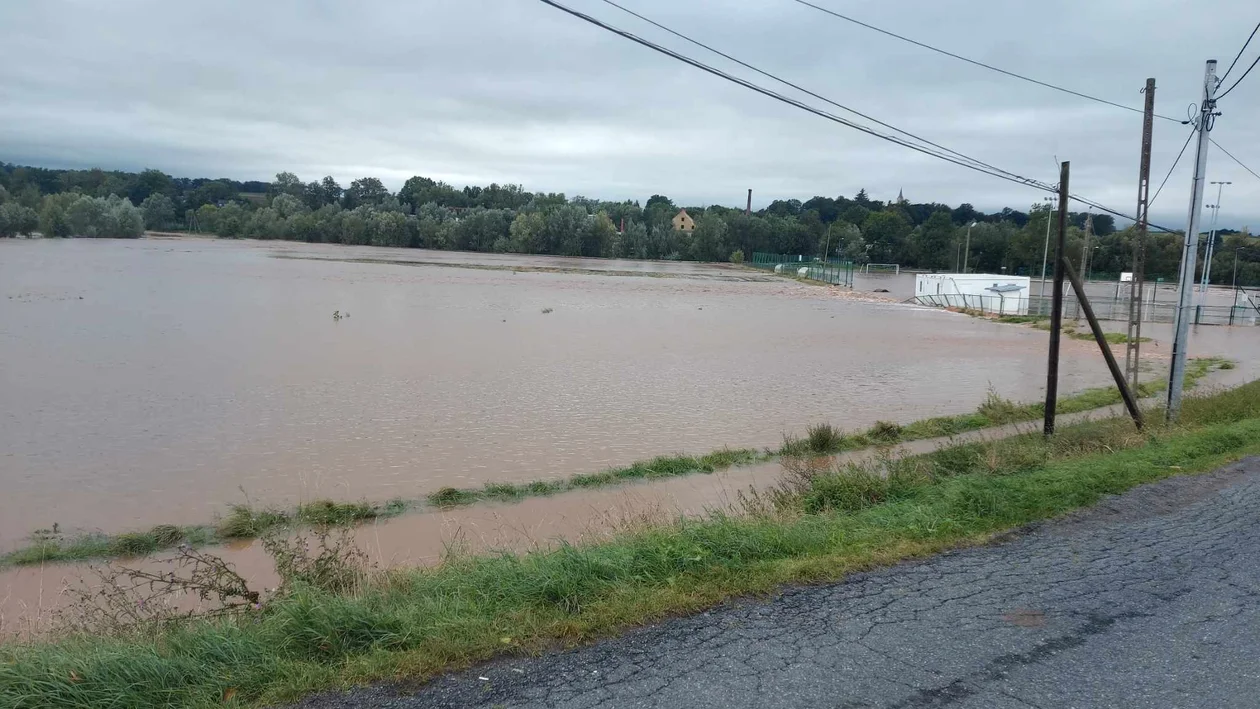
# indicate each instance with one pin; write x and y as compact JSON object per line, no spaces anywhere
{"x":160,"y":380}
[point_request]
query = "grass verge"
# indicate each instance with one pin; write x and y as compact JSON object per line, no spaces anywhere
{"x":995,"y":411}
{"x":821,"y":527}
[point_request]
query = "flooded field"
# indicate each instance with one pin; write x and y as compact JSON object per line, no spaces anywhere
{"x":160,"y":380}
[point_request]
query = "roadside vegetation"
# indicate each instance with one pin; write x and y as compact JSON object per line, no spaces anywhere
{"x":245,"y":521}
{"x":335,"y":622}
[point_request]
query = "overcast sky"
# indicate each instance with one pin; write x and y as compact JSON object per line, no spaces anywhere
{"x":513,"y":91}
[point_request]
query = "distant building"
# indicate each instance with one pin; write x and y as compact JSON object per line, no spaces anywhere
{"x":987,"y":292}
{"x":683,"y":221}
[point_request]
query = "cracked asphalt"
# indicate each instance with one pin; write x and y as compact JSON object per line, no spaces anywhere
{"x":1150,"y":599}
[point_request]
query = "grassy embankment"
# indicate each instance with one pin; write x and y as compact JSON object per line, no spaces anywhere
{"x":1042,"y":322}
{"x":247,"y":522}
{"x":821,"y":524}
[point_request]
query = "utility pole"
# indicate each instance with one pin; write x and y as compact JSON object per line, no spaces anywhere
{"x":1085,"y":254}
{"x":1211,"y":245}
{"x":1185,"y":280}
{"x":967,"y":248}
{"x":1133,"y":348}
{"x":1056,"y":306}
{"x":748,"y":209}
{"x":1045,"y":251}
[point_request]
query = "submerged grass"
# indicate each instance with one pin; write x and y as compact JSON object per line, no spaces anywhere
{"x":416,"y":623}
{"x":247,"y":522}
{"x":241,"y":522}
{"x":666,"y":466}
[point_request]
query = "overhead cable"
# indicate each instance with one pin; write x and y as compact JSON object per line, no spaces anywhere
{"x":990,"y":67}
{"x":1231,"y":157}
{"x":1174,"y":167}
{"x":966,"y":161}
{"x":1240,"y":79}
{"x":1240,"y":52}
{"x":969,"y":163}
{"x":802,"y":89}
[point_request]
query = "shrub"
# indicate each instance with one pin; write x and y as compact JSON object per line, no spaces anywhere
{"x":823,"y":438}
{"x":885,"y":432}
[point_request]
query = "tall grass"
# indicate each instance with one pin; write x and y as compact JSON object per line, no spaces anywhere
{"x":417,"y":622}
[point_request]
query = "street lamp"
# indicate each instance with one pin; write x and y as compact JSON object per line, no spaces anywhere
{"x":1090,"y":275}
{"x":1234,"y":284}
{"x":967,"y":248}
{"x":1207,"y":258}
{"x":1045,"y":251}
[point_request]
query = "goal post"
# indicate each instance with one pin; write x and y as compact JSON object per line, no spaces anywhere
{"x":894,"y":268}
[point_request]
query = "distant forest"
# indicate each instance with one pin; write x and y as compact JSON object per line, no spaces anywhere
{"x":431,"y":214}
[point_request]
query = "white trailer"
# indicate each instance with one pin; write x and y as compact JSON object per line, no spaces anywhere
{"x":987,"y":292}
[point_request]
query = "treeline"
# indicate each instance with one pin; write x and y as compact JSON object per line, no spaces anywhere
{"x":431,"y":214}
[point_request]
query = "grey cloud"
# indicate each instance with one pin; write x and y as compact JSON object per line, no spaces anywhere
{"x":513,"y":91}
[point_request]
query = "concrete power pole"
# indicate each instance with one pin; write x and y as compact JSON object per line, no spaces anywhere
{"x":1089,"y":231}
{"x":1185,"y":277}
{"x":1211,"y":244}
{"x":1133,"y":348}
{"x":748,"y":209}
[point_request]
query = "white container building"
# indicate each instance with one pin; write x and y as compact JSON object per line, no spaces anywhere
{"x":991,"y":293}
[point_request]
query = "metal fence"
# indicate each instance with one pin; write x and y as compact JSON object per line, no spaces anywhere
{"x":1104,"y":308}
{"x":836,"y":272}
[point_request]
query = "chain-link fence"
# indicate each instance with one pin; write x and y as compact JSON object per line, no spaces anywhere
{"x":836,"y":272}
{"x":1104,"y":308}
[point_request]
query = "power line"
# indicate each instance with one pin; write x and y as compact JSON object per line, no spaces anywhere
{"x":1240,"y":79}
{"x":1170,"y":170}
{"x":972,"y":165}
{"x":1240,"y":52}
{"x":979,"y":63}
{"x":802,"y":89}
{"x":794,"y":102}
{"x":1231,"y":157}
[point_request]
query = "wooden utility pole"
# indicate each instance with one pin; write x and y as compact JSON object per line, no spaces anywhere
{"x":1056,"y":305}
{"x":1133,"y":348}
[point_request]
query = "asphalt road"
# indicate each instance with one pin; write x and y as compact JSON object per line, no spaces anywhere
{"x":1151,"y":599}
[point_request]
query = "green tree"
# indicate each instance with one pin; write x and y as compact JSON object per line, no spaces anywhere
{"x":364,"y":191}
{"x":708,"y":240}
{"x":933,"y":242}
{"x":526,"y":233}
{"x":286,"y":183}
{"x":149,"y":182}
{"x":598,"y":236}
{"x":54,"y":220}
{"x":159,"y":212}
{"x":287,"y":205}
{"x":16,"y":219}
{"x":885,"y":233}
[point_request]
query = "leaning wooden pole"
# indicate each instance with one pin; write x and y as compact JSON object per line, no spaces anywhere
{"x":1056,"y":305}
{"x":1126,"y":393}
